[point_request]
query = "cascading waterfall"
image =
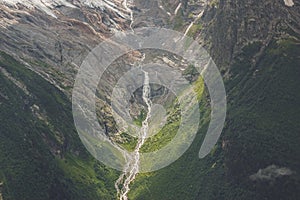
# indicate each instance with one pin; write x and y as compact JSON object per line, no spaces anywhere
{"x":196,"y":19}
{"x":133,"y":160}
{"x":193,"y":22}
{"x":125,"y":5}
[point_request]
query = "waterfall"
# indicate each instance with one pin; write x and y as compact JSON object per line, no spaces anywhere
{"x":133,"y":161}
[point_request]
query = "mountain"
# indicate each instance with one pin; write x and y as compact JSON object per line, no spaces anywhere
{"x":41,"y":154}
{"x":255,"y":45}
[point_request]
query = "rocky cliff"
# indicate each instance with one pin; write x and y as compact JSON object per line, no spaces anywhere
{"x":255,"y":45}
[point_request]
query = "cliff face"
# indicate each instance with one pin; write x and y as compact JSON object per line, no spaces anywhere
{"x":254,"y":43}
{"x":261,"y":59}
{"x":42,"y":44}
{"x":256,"y":46}
{"x":234,"y":24}
{"x":60,"y":33}
{"x":53,"y":38}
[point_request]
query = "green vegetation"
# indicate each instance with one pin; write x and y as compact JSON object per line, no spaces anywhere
{"x":166,"y":134}
{"x":41,"y":156}
{"x":90,"y":177}
{"x":169,"y":130}
{"x":262,"y":129}
{"x":194,"y":30}
{"x":179,"y":180}
{"x":129,"y":142}
{"x":178,"y":22}
{"x":199,"y":87}
{"x":140,"y":118}
{"x":214,"y":3}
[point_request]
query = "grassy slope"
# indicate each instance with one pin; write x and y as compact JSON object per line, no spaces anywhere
{"x":262,"y":129}
{"x":28,"y":169}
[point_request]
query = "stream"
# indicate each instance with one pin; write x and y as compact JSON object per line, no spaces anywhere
{"x":132,"y":165}
{"x":125,"y":5}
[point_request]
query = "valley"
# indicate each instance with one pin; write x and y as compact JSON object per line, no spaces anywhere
{"x":254,"y":44}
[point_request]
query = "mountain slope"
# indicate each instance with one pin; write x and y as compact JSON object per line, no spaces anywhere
{"x":256,"y":45}
{"x":41,"y":156}
{"x":257,"y":156}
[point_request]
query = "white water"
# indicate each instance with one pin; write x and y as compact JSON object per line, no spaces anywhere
{"x":193,"y":22}
{"x":178,"y":7}
{"x":125,"y":5}
{"x":133,"y":162}
{"x":162,"y":8}
{"x":289,"y":3}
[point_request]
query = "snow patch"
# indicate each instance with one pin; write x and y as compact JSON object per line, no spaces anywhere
{"x":289,"y":3}
{"x":43,"y":5}
{"x":47,"y":6}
